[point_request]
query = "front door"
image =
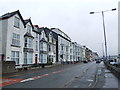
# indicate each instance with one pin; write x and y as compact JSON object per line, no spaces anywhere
{"x":36,"y":58}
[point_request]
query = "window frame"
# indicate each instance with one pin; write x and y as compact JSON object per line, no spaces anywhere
{"x":17,"y":22}
{"x":15,"y":39}
{"x":28,"y":42}
{"x":16,"y":57}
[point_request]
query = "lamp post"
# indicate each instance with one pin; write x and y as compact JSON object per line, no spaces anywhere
{"x":104,"y":27}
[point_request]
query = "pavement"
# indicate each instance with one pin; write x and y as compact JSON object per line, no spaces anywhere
{"x":105,"y":78}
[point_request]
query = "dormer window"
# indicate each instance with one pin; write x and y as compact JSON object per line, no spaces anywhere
{"x":17,"y":22}
{"x":29,"y":29}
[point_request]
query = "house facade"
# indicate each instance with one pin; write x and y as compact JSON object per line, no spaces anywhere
{"x":63,"y":46}
{"x":76,"y":49}
{"x":12,"y":37}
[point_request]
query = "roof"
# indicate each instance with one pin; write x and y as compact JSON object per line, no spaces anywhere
{"x":47,"y":31}
{"x":28,"y":20}
{"x":36,"y":26}
{"x":43,"y":40}
{"x":28,"y":35}
{"x":8,"y":15}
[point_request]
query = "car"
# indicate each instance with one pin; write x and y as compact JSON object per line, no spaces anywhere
{"x":97,"y":60}
{"x":85,"y":61}
{"x":112,"y":63}
{"x":117,"y":64}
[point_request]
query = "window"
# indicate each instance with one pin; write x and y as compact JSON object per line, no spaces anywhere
{"x":54,"y":49}
{"x":25,"y":58}
{"x":17,"y":22}
{"x":49,"y":48}
{"x":36,"y":35}
{"x":43,"y":46}
{"x":70,"y":50}
{"x":70,"y":57}
{"x":43,"y":58}
{"x":50,"y":37}
{"x":16,"y":39}
{"x":61,"y":47}
{"x":28,"y":58}
{"x":29,"y":29}
{"x":15,"y":57}
{"x":28,"y":42}
{"x":66,"y":48}
{"x":36,"y":45}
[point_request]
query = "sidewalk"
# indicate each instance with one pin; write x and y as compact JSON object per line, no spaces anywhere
{"x":105,"y":78}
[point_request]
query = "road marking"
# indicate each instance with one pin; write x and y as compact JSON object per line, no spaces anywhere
{"x":56,"y":72}
{"x":13,"y":81}
{"x":29,"y":79}
{"x":90,"y":84}
{"x":9,"y":82}
{"x":99,"y":71}
{"x":90,"y":80}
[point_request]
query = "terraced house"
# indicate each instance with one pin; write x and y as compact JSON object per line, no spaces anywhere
{"x":13,"y":31}
{"x":63,"y":46}
{"x":28,"y":44}
{"x":24,"y":43}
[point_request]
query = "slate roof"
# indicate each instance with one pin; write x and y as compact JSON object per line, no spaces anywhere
{"x":8,"y":15}
{"x":43,"y":40}
{"x":28,"y":20}
{"x":28,"y":35}
{"x":47,"y":31}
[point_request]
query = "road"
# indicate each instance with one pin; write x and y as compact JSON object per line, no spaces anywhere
{"x":89,"y":75}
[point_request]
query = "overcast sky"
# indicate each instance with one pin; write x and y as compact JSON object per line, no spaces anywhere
{"x":72,"y":17}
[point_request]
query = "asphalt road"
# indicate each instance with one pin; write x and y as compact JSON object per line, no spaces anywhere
{"x":63,"y":76}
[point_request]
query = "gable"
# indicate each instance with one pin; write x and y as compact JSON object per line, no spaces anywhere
{"x":9,"y":15}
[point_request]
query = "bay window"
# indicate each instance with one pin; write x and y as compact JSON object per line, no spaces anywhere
{"x":43,"y":58}
{"x":43,"y":46}
{"x":29,"y":29}
{"x":28,"y":42}
{"x":28,"y":58}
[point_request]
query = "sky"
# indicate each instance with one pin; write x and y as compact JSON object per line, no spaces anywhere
{"x":73,"y":17}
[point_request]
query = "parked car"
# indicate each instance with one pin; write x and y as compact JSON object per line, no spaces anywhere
{"x":117,"y":64}
{"x":97,"y":60}
{"x":85,"y":61}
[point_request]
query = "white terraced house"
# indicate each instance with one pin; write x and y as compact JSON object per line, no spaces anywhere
{"x":63,"y":46}
{"x":24,"y":43}
{"x":13,"y":30}
{"x":17,"y":39}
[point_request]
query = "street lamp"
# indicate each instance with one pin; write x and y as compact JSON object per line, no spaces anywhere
{"x":104,"y":27}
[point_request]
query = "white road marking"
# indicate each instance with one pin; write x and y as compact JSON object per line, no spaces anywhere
{"x":27,"y":79}
{"x":90,"y":80}
{"x":90,"y":84}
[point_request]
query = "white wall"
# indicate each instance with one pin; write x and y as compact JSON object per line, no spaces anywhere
{"x":0,"y":39}
{"x":20,"y":31}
